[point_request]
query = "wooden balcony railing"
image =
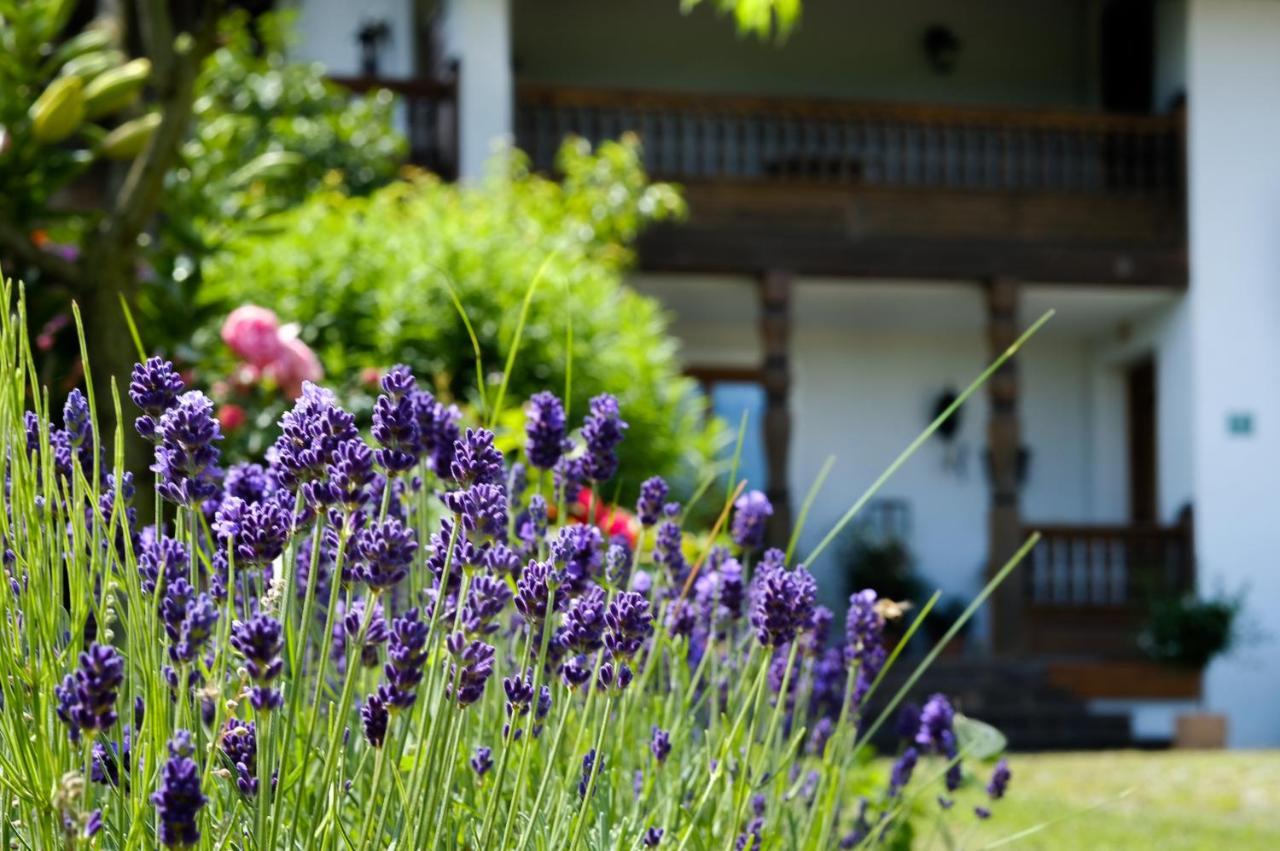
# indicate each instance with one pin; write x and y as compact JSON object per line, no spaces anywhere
{"x":430,"y":115}
{"x":690,"y":137}
{"x":1088,"y":588}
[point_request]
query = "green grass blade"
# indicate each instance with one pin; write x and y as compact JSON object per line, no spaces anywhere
{"x":133,"y":328}
{"x":515,"y":340}
{"x":809,"y":499}
{"x":475,"y":341}
{"x":925,"y":435}
{"x":737,"y":452}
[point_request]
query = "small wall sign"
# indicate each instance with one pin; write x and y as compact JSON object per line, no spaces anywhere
{"x":1240,"y":423}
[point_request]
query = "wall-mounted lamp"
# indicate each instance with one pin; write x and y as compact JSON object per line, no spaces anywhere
{"x":941,"y":48}
{"x":372,"y":36}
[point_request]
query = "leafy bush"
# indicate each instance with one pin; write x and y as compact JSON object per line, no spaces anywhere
{"x":1189,"y":632}
{"x":373,"y":281}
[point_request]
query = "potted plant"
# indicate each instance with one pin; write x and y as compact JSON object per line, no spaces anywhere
{"x":1188,"y":633}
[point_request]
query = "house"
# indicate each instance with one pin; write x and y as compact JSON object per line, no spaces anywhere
{"x":877,"y":209}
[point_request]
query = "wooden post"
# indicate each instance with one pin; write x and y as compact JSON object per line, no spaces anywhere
{"x":775,"y":335}
{"x":1004,"y":445}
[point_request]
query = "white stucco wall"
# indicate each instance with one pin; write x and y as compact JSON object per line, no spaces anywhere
{"x":1233,"y":80}
{"x":327,"y":33}
{"x":1012,"y":52}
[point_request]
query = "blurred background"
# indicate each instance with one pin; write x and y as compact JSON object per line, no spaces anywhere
{"x":812,"y":224}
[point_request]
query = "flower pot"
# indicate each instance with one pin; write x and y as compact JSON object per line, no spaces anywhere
{"x":1201,"y":730}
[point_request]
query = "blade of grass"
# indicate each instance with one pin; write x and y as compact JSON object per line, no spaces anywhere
{"x":133,"y":328}
{"x":737,"y":452}
{"x":925,"y":435}
{"x":475,"y":342}
{"x":807,"y":504}
{"x":1044,"y":825}
{"x":515,"y":340}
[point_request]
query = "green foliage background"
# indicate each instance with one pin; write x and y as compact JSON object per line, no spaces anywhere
{"x":369,"y":277}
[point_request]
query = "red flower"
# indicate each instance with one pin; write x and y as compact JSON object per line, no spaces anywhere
{"x":231,"y":416}
{"x":609,"y":519}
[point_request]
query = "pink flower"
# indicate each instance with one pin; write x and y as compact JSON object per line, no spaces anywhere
{"x":253,"y":333}
{"x":296,"y":364}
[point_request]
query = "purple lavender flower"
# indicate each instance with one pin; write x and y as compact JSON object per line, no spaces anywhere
{"x":160,"y":558}
{"x":249,"y":482}
{"x":179,"y":798}
{"x":588,"y":769}
{"x":537,"y":588}
{"x":617,"y":561}
{"x":385,"y":551}
{"x":437,"y":431}
{"x":660,"y":744}
{"x":476,"y":461}
{"x":900,"y":776}
{"x":602,"y":432}
{"x":782,"y":603}
{"x":519,"y":691}
{"x":406,"y":654}
{"x":239,"y":744}
{"x":821,"y":734}
{"x":544,"y":428}
{"x":187,"y":456}
{"x":87,"y":698}
{"x":502,"y":560}
{"x":347,"y":628}
{"x":982,"y":813}
{"x":578,"y":549}
{"x":483,"y":509}
{"x":999,"y":780}
{"x":79,"y":429}
{"x":395,"y":421}
{"x":487,"y":596}
{"x":583,"y":628}
{"x":374,"y":717}
{"x":652,"y":837}
{"x":629,"y":624}
{"x":188,"y":619}
{"x":864,"y":641}
{"x":482,"y":761}
{"x":309,"y":434}
{"x":259,"y":640}
{"x":751,"y":513}
{"x":668,"y":551}
{"x":936,"y":719}
{"x":93,"y":824}
{"x":258,"y":531}
{"x":471,"y":670}
{"x":153,"y":387}
{"x":107,"y":758}
{"x":649,"y":506}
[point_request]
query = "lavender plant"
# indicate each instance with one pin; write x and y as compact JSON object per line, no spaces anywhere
{"x":373,"y":639}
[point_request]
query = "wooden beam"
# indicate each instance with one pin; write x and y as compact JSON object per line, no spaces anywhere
{"x":1004,"y":446}
{"x":775,"y":334}
{"x":691,"y":250}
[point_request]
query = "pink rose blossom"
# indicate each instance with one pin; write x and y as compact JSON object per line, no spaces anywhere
{"x":231,"y":416}
{"x":253,"y":333}
{"x":296,"y":364}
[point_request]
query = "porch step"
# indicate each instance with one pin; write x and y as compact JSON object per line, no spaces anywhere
{"x":1015,"y":697}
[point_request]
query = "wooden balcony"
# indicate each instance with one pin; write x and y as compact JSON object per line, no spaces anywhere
{"x":892,"y":190}
{"x":1087,"y":589}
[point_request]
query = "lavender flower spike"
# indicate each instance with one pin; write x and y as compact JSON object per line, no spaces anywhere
{"x":544,"y":429}
{"x":751,"y":513}
{"x":653,"y":492}
{"x":386,"y":550}
{"x":186,"y":458}
{"x":602,"y":432}
{"x":154,"y":387}
{"x":179,"y":798}
{"x":87,"y":698}
{"x":259,"y":640}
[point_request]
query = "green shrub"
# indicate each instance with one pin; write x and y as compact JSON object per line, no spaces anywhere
{"x":369,"y":278}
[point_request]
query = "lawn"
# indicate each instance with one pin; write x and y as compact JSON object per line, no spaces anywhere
{"x":1135,"y":800}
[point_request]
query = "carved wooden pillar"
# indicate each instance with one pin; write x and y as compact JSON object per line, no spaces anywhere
{"x":775,"y":335}
{"x":1004,"y":443}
